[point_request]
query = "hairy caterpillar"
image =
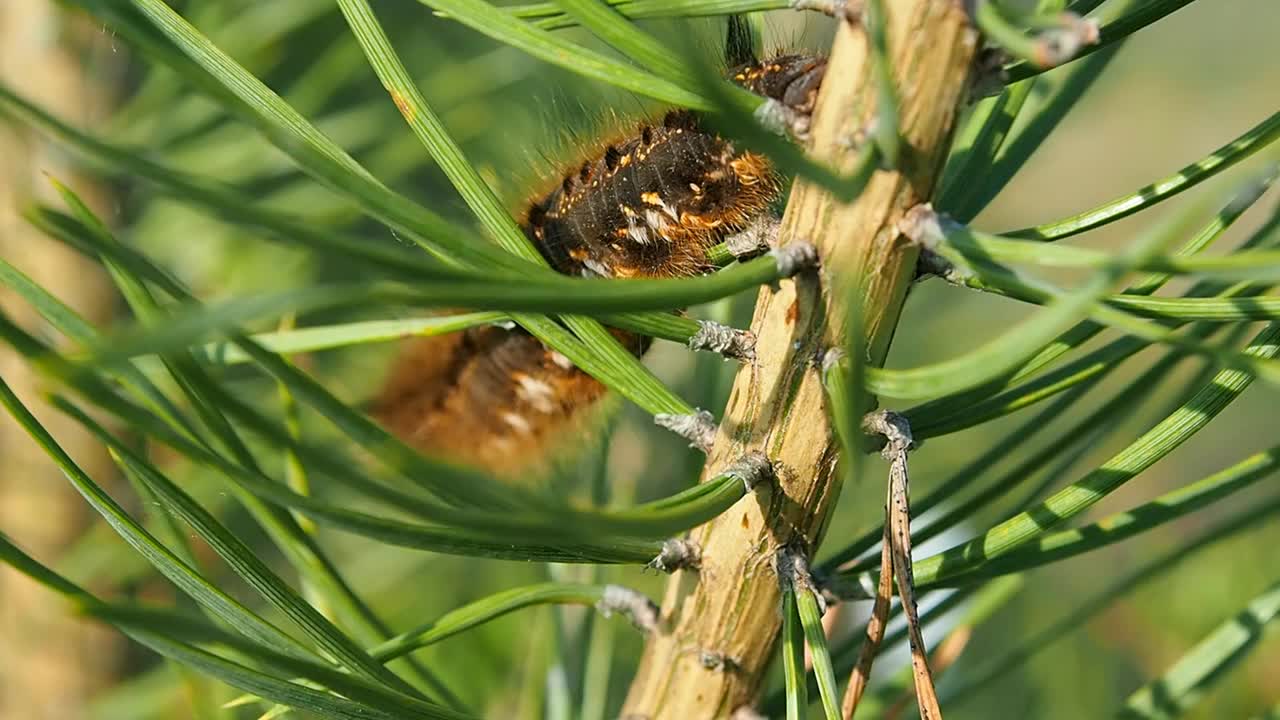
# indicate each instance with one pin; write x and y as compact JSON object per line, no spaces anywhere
{"x":647,"y":204}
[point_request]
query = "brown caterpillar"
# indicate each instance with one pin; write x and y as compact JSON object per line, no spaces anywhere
{"x":648,"y":204}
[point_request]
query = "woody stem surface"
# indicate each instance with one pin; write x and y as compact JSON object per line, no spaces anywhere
{"x":719,"y":623}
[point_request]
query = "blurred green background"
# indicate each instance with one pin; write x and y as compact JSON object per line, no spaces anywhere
{"x":1175,"y":92}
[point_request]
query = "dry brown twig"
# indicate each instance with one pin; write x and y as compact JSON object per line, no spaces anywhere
{"x":897,"y":434}
{"x":947,"y":652}
{"x":875,"y":630}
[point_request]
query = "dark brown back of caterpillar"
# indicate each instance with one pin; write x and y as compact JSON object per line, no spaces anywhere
{"x":648,"y":204}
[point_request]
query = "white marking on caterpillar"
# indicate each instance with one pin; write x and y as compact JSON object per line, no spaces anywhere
{"x":536,"y":392}
{"x":637,"y":233}
{"x":671,"y":211}
{"x":517,"y":423}
{"x":596,"y":268}
{"x":654,"y":199}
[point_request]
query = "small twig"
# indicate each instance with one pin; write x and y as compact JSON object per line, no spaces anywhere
{"x":677,"y":554}
{"x":876,"y":625}
{"x":900,"y":529}
{"x":727,"y":341}
{"x":640,"y":610}
{"x":699,"y":427}
{"x":943,"y":657}
{"x":897,"y":434}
